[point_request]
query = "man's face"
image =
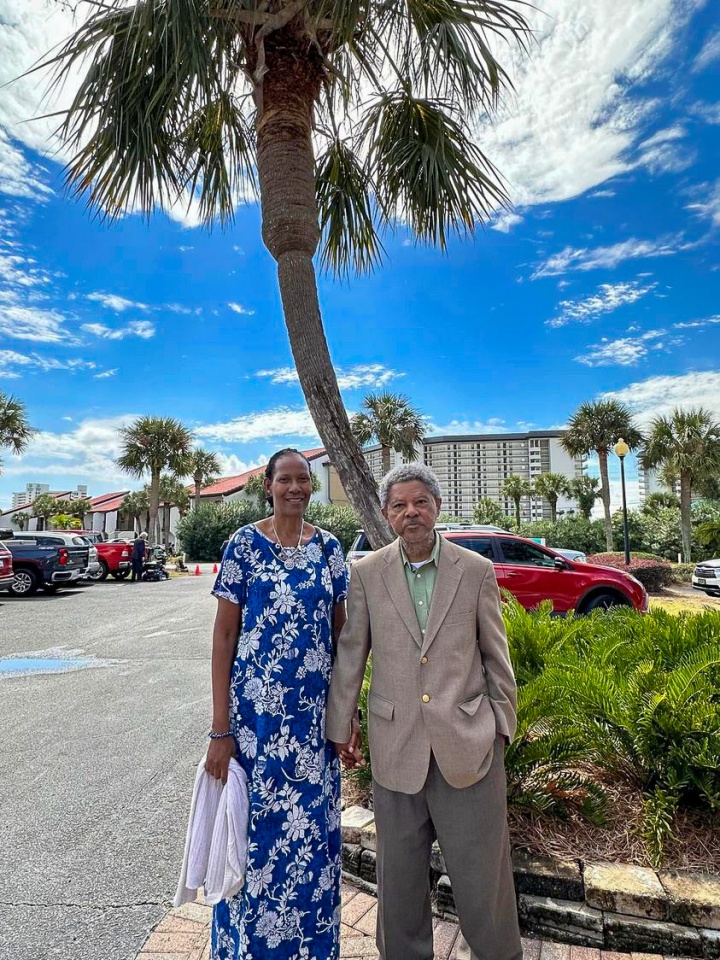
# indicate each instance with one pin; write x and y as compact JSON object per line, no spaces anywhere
{"x":412,"y":511}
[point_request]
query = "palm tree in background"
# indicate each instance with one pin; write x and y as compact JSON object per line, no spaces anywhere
{"x":151,"y":445}
{"x":594,"y":427}
{"x":687,"y":445}
{"x":204,"y":468}
{"x":345,"y":117}
{"x":390,"y":420}
{"x":172,"y":493}
{"x":517,"y":487}
{"x":584,"y":491}
{"x":15,"y":431}
{"x":137,"y":505}
{"x":552,"y":486}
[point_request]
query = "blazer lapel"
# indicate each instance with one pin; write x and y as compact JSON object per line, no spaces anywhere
{"x":448,"y":578}
{"x":396,"y":584}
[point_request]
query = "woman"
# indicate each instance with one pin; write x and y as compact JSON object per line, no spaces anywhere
{"x":281,"y":587}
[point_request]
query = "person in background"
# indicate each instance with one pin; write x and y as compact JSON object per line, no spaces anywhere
{"x":441,"y":707}
{"x":281,"y":603}
{"x":138,"y":556}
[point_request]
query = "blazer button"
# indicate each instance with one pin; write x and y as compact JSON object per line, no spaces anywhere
{"x":425,"y":698}
{"x":423,"y":659}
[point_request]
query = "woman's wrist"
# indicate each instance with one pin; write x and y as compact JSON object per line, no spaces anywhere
{"x":219,"y":734}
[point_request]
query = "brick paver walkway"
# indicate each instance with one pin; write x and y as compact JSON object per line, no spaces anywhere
{"x":184,"y":934}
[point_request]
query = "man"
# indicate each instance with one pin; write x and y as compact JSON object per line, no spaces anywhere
{"x":139,"y":552}
{"x":441,"y":710}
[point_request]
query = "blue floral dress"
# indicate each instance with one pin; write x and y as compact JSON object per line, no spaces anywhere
{"x":289,"y":907}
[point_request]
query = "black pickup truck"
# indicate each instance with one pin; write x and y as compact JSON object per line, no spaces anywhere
{"x":45,"y":560}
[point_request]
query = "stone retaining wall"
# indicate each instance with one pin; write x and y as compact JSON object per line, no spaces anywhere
{"x":609,"y":906}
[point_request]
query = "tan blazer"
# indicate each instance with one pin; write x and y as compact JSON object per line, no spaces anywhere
{"x":450,"y":692}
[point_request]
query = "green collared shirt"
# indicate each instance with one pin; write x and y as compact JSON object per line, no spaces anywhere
{"x":421,"y":582}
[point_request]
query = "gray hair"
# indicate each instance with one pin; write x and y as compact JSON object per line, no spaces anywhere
{"x":406,"y":473}
{"x":144,"y":535}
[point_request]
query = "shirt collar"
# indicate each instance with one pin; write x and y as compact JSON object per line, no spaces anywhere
{"x":433,"y":558}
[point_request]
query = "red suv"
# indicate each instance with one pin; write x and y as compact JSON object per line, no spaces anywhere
{"x":533,"y":573}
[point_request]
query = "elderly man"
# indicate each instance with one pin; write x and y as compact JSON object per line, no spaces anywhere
{"x":441,"y":709}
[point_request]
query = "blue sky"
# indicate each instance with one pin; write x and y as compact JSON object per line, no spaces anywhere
{"x":603,"y":280}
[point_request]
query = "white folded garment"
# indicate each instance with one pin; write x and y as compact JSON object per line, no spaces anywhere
{"x":216,"y":840}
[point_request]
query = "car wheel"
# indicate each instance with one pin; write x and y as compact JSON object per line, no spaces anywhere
{"x":120,"y":574}
{"x":100,"y":574}
{"x":602,"y":601}
{"x":24,"y":584}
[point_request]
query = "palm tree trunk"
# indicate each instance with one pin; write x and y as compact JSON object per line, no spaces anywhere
{"x":154,"y":506}
{"x":517,"y":512}
{"x":685,"y":525}
{"x":385,"y":453}
{"x":198,"y":487}
{"x":553,"y":511}
{"x":286,"y":171}
{"x":605,"y":491}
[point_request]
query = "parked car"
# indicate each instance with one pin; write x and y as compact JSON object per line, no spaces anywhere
{"x":570,"y":554}
{"x":360,"y":546}
{"x":45,"y":559}
{"x":6,"y":568}
{"x":113,"y":557}
{"x":706,"y":577}
{"x":533,"y":573}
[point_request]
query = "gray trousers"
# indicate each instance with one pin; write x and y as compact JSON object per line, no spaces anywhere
{"x":471,"y":827}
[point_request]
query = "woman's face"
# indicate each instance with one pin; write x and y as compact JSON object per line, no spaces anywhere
{"x":290,"y":486}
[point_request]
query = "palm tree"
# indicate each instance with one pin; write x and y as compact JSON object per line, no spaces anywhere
{"x":686,"y":444}
{"x":389,"y":419}
{"x":21,"y":519}
{"x":154,"y":444}
{"x":594,"y":427}
{"x":15,"y":431}
{"x":44,"y":507}
{"x":585,"y":491}
{"x":346,"y":118}
{"x":552,"y":486}
{"x":172,"y":494}
{"x":517,"y":487}
{"x":204,"y":468}
{"x":136,"y":505}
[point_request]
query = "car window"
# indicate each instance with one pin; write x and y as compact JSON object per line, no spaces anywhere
{"x":50,"y":542}
{"x":515,"y":551}
{"x":481,"y":545}
{"x":80,"y":542}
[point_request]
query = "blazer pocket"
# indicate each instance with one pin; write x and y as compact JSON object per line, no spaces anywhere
{"x":459,"y":616}
{"x":382,"y":707}
{"x":470,"y":707}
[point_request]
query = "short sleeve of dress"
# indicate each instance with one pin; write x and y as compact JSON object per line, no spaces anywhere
{"x":230,"y":581}
{"x":338,"y":570}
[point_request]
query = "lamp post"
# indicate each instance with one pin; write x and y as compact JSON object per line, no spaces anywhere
{"x":621,"y":451}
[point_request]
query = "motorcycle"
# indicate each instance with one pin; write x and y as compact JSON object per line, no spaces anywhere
{"x":154,"y":566}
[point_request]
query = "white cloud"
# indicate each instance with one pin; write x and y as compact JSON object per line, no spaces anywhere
{"x":709,"y":53}
{"x":231,"y":466}
{"x":606,"y":258}
{"x":506,"y":221}
{"x":709,"y":112}
{"x":113,"y":302}
{"x":657,"y":396}
{"x":136,"y":328}
{"x":596,"y":194}
{"x":697,"y":324}
{"x":238,"y":308}
{"x":576,"y":117}
{"x":36,"y":324}
{"x":709,"y":206}
{"x":106,"y":374}
{"x":361,"y":375}
{"x":627,"y":351}
{"x":493,"y":425}
{"x":609,"y":297}
{"x":281,"y":422}
{"x":664,"y":153}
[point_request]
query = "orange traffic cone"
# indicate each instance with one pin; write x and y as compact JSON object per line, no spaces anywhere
{"x":215,"y":569}
{"x":197,"y":570}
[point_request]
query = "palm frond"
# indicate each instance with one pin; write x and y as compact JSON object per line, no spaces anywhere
{"x":345,"y":208}
{"x":427,"y":170}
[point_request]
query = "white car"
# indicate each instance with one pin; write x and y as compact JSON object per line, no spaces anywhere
{"x":706,"y":577}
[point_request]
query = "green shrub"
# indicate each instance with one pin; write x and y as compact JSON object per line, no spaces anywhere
{"x":682,"y":572}
{"x":342,"y":522}
{"x":575,"y":533}
{"x":202,"y":532}
{"x":653,"y":572}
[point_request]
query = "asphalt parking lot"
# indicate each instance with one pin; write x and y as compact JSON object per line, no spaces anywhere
{"x":97,"y":764}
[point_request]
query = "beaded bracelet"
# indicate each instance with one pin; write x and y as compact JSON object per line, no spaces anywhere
{"x":220,"y":736}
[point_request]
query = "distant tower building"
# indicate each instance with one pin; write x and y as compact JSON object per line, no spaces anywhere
{"x":32,"y":492}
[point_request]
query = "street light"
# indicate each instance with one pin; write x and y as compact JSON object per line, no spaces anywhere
{"x":621,"y":451}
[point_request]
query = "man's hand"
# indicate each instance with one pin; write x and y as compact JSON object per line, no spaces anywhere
{"x":350,"y":753}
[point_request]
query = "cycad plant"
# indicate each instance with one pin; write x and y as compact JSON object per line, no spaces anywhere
{"x":346,"y":116}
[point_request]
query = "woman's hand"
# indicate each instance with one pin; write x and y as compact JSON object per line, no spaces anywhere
{"x":218,"y":758}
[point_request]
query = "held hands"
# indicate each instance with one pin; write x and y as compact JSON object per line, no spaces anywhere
{"x":350,"y":753}
{"x":218,"y":758}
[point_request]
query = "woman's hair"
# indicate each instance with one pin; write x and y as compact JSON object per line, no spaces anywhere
{"x":272,"y":463}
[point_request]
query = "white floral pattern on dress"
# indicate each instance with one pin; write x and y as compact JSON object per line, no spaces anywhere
{"x":289,"y":908}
